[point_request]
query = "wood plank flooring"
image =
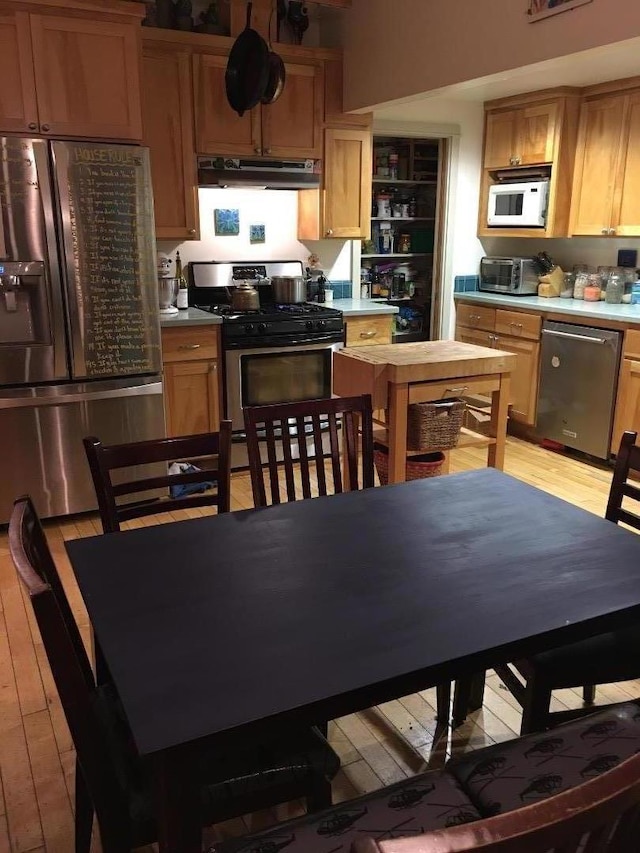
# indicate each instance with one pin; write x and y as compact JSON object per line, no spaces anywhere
{"x":377,"y":747}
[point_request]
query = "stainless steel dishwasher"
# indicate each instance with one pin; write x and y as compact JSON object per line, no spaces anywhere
{"x":578,"y":378}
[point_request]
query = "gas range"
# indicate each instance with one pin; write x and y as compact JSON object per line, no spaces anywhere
{"x":274,"y":325}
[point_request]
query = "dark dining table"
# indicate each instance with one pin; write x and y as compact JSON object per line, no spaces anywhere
{"x":235,"y":626}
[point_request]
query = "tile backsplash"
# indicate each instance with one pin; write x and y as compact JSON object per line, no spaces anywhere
{"x":466,"y":283}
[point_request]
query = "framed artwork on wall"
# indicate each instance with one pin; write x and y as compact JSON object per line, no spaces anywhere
{"x":256,"y":234}
{"x":226,"y":223}
{"x":539,"y":9}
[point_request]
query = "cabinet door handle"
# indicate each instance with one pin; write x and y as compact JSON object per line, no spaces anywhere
{"x":370,"y":334}
{"x":192,"y":230}
{"x":605,"y":230}
{"x":258,"y":150}
{"x":329,"y":232}
{"x":612,"y":230}
{"x":189,"y":346}
{"x":46,"y":128}
{"x":267,"y":151}
{"x":473,"y":318}
{"x":516,"y":325}
{"x":33,"y":125}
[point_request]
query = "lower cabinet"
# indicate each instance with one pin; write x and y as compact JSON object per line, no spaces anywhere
{"x":367,"y":331}
{"x":191,"y":379}
{"x":628,"y":403}
{"x":525,"y":378}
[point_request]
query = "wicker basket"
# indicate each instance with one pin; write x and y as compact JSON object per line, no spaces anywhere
{"x":418,"y":467}
{"x":434,"y":426}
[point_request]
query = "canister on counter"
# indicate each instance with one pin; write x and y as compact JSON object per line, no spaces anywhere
{"x":568,"y":283}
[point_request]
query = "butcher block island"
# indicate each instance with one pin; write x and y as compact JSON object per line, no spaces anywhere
{"x":397,"y":376}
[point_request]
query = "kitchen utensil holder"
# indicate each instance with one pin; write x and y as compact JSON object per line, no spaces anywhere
{"x":434,"y":426}
{"x":417,"y":468}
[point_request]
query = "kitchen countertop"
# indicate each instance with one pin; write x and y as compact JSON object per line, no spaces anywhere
{"x":190,"y":317}
{"x":349,"y":307}
{"x":596,"y":311}
{"x":362,"y":307}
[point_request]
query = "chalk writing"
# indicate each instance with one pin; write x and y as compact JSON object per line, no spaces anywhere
{"x":111,"y":240}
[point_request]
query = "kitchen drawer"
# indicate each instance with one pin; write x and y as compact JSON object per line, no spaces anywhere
{"x":518,"y":324}
{"x":631,"y":346}
{"x":189,"y":343}
{"x":476,"y":316}
{"x":367,"y":331}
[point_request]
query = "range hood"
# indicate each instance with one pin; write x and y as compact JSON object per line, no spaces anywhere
{"x":258,"y":174}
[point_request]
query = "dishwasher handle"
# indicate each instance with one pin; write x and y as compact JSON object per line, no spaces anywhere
{"x":590,"y":339}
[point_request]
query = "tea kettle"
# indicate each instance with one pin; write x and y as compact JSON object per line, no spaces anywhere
{"x":244,"y":296}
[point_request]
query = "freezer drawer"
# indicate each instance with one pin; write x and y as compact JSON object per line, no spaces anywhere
{"x":42,"y":431}
{"x":578,"y":379}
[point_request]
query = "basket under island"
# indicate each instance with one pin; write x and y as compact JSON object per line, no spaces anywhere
{"x":398,"y":375}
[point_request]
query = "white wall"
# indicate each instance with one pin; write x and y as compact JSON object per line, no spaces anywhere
{"x":277,"y":210}
{"x":594,"y":251}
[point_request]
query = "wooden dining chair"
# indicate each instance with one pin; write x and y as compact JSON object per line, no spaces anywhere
{"x":279,"y":428}
{"x":104,"y":460}
{"x":600,"y":816}
{"x":111,"y":780}
{"x":606,"y":658}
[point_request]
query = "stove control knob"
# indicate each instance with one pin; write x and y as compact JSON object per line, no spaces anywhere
{"x":249,"y":328}
{"x":262,"y":327}
{"x":308,"y":325}
{"x":321,"y":324}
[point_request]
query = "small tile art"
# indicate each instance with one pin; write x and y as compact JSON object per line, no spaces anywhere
{"x":226,"y":223}
{"x":256,"y":234}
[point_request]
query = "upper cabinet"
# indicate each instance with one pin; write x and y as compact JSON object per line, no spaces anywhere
{"x":168,"y":132}
{"x":521,"y":137}
{"x":607,"y":176}
{"x":69,"y":76}
{"x":291,"y":127}
{"x":532,"y":135}
{"x":18,"y":106}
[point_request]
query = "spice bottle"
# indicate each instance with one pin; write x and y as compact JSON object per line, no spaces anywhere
{"x":182,"y":301}
{"x":404,"y":244}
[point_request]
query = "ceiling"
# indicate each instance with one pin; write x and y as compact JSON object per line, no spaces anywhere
{"x":609,"y":62}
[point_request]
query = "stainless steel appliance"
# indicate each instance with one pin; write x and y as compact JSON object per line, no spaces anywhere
{"x":79,"y":332}
{"x":259,"y":174}
{"x":512,"y":276}
{"x":518,"y":205}
{"x":281,"y":352}
{"x":579,"y":370}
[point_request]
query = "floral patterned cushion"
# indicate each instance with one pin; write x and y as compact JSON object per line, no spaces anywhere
{"x":523,"y":771}
{"x":411,"y":807}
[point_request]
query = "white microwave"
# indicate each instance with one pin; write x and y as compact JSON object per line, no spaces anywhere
{"x":518,"y":205}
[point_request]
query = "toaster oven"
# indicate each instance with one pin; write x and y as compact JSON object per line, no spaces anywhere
{"x":513,"y":276}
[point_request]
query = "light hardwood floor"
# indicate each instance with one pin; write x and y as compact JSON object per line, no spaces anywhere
{"x":376,"y":747}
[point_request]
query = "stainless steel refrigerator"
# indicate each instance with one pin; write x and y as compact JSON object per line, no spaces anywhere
{"x":79,"y":329}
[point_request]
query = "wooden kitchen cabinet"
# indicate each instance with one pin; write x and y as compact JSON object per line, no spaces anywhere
{"x":167,"y":123}
{"x":521,"y":137}
{"x":538,"y":129}
{"x":70,"y":76}
{"x":87,"y":77}
{"x":627,"y":413}
{"x":486,"y":326}
{"x":607,"y":177}
{"x":18,"y":105}
{"x":192,"y":389}
{"x":341,"y":209}
{"x":292,"y":127}
{"x":367,"y":331}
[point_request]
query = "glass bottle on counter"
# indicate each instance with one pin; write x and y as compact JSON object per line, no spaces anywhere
{"x":614,"y":290}
{"x":182,"y":301}
{"x":568,"y":284}
{"x":581,"y":282}
{"x":593,"y":288}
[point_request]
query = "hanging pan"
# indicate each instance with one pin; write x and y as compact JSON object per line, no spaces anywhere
{"x":277,"y":73}
{"x":247,"y":72}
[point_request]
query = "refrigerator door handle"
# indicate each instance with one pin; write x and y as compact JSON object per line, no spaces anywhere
{"x":80,"y":397}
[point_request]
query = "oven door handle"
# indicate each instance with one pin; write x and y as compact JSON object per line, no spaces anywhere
{"x":289,"y":344}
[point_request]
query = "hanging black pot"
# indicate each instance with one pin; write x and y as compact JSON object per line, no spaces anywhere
{"x":277,"y":74}
{"x":247,"y":72}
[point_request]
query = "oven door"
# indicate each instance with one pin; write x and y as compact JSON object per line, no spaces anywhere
{"x":258,"y":377}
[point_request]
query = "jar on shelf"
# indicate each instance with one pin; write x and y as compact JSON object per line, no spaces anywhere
{"x":593,"y":288}
{"x":383,"y":201}
{"x":568,"y":283}
{"x":393,"y":166}
{"x":386,"y":238}
{"x":614,"y":290}
{"x":413,"y":206}
{"x":404,"y":244}
{"x":580,"y":283}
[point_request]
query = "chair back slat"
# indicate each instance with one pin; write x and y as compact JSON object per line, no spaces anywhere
{"x":321,"y":476}
{"x":277,"y":422}
{"x":627,"y":459}
{"x":68,"y":660}
{"x":334,"y":449}
{"x":104,"y":460}
{"x":599,"y":816}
